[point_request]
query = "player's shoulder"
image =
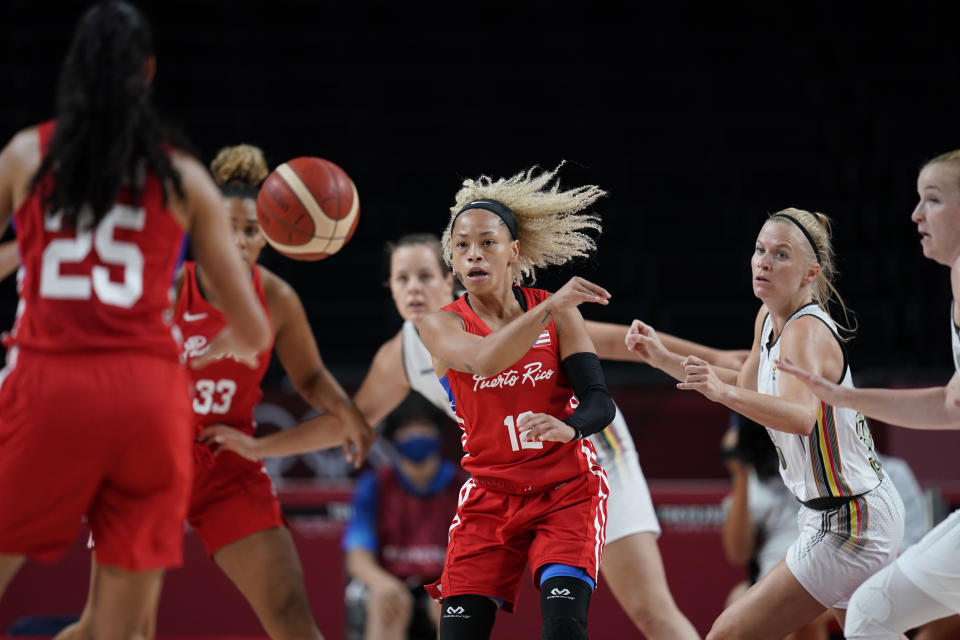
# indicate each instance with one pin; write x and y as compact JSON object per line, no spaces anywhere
{"x":391,"y":351}
{"x":22,"y":152}
{"x":275,"y":287}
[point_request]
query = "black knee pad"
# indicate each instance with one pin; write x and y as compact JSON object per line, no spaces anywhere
{"x":563,"y":604}
{"x":467,"y":617}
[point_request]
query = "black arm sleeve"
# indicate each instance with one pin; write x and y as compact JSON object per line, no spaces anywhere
{"x":596,"y":409}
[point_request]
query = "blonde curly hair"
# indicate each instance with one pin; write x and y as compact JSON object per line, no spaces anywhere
{"x":817,"y":226}
{"x":549,"y":221}
{"x":242,"y":163}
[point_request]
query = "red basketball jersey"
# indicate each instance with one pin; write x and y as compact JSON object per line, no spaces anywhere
{"x":103,"y":288}
{"x":225,"y":391}
{"x":488,"y":409}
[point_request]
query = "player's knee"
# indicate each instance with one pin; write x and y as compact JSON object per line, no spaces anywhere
{"x":725,"y":627}
{"x":289,"y":608}
{"x":467,"y":617}
{"x":564,"y":602}
{"x":868,"y":614}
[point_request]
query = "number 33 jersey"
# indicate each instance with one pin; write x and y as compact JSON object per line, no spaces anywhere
{"x":102,"y":288}
{"x":488,"y":410}
{"x":225,"y":391}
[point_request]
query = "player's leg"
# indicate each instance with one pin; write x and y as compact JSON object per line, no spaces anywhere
{"x":136,"y":517}
{"x":889,"y":604}
{"x":566,"y":552}
{"x":564,"y":601}
{"x":942,"y":629}
{"x":819,"y":629}
{"x":9,"y":565}
{"x":125,"y":603}
{"x":486,"y":555}
{"x":467,"y":617}
{"x":83,"y":627}
{"x":633,"y":569}
{"x":775,"y":606}
{"x":266,"y":569}
{"x":922,"y":585}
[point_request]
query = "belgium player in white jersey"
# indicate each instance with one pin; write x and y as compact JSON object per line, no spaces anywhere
{"x":851,"y":517}
{"x":924,"y":583}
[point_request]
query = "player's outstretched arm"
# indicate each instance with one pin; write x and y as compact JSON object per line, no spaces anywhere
{"x":452,"y":347}
{"x":382,"y":390}
{"x":929,"y":409}
{"x":205,"y":219}
{"x":385,"y":386}
{"x":648,"y":345}
{"x":297,"y":351}
{"x":795,"y":410}
{"x":610,"y":342}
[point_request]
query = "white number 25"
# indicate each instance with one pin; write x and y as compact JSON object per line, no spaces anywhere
{"x":55,"y":285}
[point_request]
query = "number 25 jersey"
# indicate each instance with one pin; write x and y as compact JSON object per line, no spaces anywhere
{"x":488,"y":409}
{"x":96,"y":289}
{"x":225,"y":391}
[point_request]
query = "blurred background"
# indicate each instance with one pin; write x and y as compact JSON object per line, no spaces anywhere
{"x":698,"y":120}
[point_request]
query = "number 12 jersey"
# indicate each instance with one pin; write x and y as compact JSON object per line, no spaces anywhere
{"x":488,"y":410}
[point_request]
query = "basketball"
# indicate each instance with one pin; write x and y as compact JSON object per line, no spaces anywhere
{"x":308,"y":208}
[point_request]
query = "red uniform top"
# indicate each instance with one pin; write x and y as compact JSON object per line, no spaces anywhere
{"x":488,"y":408}
{"x":99,"y":289}
{"x":225,"y":391}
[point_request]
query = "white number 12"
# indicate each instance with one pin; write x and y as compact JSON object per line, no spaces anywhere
{"x":515,"y":442}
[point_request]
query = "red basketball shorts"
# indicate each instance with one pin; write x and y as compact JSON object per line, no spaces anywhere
{"x":107,"y":436}
{"x":494,"y":535}
{"x":232,"y":498}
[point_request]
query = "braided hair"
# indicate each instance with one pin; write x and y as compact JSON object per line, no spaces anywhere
{"x":106,"y":127}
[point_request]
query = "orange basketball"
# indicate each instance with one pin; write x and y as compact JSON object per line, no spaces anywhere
{"x":308,"y":208}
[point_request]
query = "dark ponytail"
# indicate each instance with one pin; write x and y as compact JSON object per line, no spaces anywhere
{"x":107,"y":134}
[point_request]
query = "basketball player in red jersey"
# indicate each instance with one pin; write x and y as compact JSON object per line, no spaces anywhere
{"x":421,"y":283}
{"x":233,"y":507}
{"x":512,"y":359}
{"x":93,"y":387}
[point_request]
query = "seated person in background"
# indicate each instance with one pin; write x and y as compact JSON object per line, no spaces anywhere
{"x":397,"y":537}
{"x":761,"y":513}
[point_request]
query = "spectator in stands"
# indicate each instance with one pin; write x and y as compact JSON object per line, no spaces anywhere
{"x":397,"y":537}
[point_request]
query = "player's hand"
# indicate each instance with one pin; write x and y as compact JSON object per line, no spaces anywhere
{"x":358,"y":437}
{"x":225,"y":345}
{"x":230,"y":439}
{"x":698,"y":375}
{"x":577,"y":291}
{"x":829,"y":392}
{"x":391,"y":598}
{"x":642,"y":340}
{"x":541,"y":427}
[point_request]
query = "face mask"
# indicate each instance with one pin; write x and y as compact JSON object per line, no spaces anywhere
{"x":418,"y":449}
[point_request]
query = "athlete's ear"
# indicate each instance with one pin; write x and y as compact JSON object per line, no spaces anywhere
{"x":514,"y":252}
{"x":150,"y":69}
{"x":811,"y":275}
